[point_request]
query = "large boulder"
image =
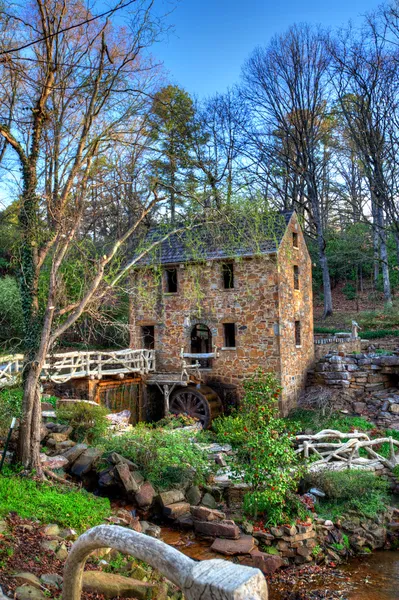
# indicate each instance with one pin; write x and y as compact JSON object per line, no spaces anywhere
{"x":173,"y":511}
{"x":114,"y":458}
{"x":171,"y":497}
{"x":51,"y":580}
{"x":53,"y":462}
{"x":73,"y":454}
{"x":85,"y":462}
{"x":107,"y":477}
{"x":126,"y":477}
{"x":209,"y":501}
{"x":28,"y":579}
{"x":52,"y":530}
{"x":244,"y":545}
{"x":202,"y":513}
{"x":60,"y":437}
{"x":267,"y":563}
{"x":194,"y":495}
{"x":145,"y":496}
{"x":223,"y":529}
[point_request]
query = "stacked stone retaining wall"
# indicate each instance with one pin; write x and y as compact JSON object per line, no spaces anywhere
{"x":334,"y":344}
{"x":359,"y":373}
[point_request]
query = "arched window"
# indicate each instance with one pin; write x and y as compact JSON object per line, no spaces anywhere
{"x":201,"y":343}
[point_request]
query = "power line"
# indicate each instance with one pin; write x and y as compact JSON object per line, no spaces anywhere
{"x":47,"y":37}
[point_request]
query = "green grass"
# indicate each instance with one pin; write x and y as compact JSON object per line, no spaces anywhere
{"x":384,"y":448}
{"x":303,"y":419}
{"x":379,"y":333}
{"x":361,"y":491}
{"x":369,"y":506}
{"x":51,"y":504}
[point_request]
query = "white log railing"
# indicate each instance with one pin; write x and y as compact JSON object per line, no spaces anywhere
{"x":346,"y":453}
{"x":207,"y":580}
{"x":60,"y":368}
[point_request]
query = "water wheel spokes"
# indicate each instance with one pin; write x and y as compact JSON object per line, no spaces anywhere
{"x":200,"y":403}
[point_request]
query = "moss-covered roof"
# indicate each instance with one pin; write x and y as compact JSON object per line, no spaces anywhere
{"x":248,"y":236}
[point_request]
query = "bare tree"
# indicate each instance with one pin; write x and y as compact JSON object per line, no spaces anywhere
{"x":366,"y":79}
{"x":287,"y":88}
{"x":217,"y":147}
{"x":81,"y":81}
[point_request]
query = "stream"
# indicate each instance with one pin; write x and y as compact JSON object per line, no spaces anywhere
{"x":375,"y":577}
{"x":370,"y":577}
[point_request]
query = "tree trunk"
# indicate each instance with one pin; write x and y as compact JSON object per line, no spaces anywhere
{"x":376,"y":246}
{"x":384,"y":256}
{"x":396,"y":232}
{"x":328,"y":306}
{"x":28,"y":452}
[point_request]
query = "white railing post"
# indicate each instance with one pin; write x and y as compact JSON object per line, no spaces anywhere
{"x":207,"y":580}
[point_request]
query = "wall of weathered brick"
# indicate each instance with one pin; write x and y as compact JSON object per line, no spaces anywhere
{"x":294,"y":305}
{"x":264,"y":326}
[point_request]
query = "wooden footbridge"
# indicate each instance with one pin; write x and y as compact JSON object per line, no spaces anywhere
{"x":183,"y":392}
{"x":60,"y":368}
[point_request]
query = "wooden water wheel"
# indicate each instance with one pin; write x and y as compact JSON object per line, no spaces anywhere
{"x":199,"y":402}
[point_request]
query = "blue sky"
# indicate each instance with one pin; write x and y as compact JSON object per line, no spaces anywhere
{"x":212,"y":38}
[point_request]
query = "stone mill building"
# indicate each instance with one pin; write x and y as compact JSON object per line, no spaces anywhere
{"x":244,"y":303}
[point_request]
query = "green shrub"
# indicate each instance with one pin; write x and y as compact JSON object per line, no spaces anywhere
{"x":88,"y":421}
{"x":352,"y":489}
{"x":11,"y":317}
{"x":167,"y":458}
{"x":330,"y":330}
{"x":172,"y":421}
{"x":10,"y":406}
{"x":51,"y":400}
{"x":344,"y":485}
{"x":349,"y":290}
{"x":51,"y":504}
{"x":266,"y":458}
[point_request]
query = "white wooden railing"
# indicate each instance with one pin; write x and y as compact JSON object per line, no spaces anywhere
{"x":69,"y":365}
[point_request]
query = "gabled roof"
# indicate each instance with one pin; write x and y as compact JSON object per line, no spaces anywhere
{"x":214,"y":241}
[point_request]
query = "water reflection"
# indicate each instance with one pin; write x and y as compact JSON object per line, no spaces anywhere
{"x":375,"y":577}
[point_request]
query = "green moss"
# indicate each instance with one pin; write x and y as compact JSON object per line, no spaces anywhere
{"x":271,"y":550}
